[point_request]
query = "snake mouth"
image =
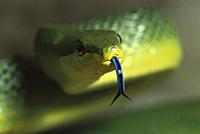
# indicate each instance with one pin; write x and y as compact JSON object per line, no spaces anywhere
{"x":109,"y":53}
{"x":109,"y":61}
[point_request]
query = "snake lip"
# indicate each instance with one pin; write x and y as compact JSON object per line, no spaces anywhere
{"x":108,"y":62}
{"x":112,"y":51}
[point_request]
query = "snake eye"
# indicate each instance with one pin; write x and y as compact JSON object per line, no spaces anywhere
{"x":80,"y":48}
{"x":119,"y":37}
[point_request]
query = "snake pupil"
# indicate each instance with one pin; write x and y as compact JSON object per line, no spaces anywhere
{"x":80,"y":48}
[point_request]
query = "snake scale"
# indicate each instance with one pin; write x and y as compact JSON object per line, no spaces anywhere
{"x":78,"y":56}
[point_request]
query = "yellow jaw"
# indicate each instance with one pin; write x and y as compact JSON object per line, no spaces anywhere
{"x":110,"y":52}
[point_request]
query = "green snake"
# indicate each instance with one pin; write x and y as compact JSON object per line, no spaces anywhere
{"x":78,"y":57}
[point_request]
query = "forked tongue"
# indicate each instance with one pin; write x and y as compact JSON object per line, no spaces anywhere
{"x":120,"y":80}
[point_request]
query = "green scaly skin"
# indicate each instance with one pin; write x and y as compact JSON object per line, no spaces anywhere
{"x":142,"y":33}
{"x":10,"y":99}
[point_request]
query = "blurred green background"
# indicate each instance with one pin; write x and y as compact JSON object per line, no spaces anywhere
{"x":20,"y":19}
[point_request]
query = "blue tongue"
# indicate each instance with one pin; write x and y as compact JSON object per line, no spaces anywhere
{"x":119,"y":73}
{"x":120,"y":80}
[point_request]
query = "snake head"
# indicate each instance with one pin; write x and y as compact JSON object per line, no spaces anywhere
{"x":78,"y":59}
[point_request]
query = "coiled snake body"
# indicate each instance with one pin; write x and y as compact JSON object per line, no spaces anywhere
{"x":78,"y":56}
